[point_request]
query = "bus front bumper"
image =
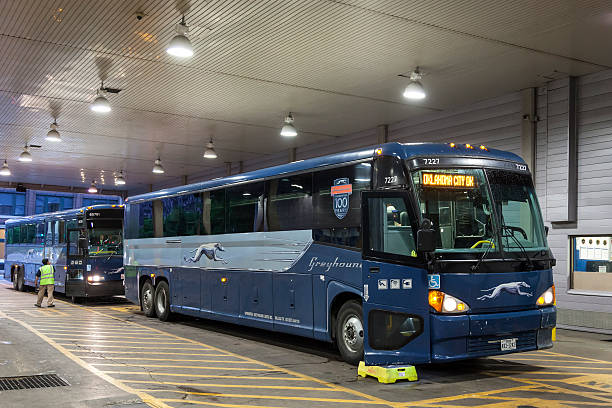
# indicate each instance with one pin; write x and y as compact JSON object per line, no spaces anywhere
{"x":82,"y":288}
{"x":457,"y":337}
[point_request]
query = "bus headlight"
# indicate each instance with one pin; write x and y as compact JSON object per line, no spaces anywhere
{"x":547,"y":298}
{"x":445,"y":303}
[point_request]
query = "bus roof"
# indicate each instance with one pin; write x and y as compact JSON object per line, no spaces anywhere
{"x":401,"y":150}
{"x":65,"y":213}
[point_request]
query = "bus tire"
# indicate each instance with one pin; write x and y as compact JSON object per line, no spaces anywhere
{"x":20,"y":284}
{"x":350,"y":332}
{"x":147,"y":299}
{"x":14,"y":277}
{"x":162,"y":301}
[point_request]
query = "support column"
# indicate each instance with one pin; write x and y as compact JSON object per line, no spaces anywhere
{"x":528,"y":128}
{"x":382,"y":134}
{"x":240,"y":167}
{"x":184,"y":179}
{"x":228,"y":168}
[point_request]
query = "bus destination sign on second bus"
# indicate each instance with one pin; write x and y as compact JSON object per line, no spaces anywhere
{"x":448,"y":180}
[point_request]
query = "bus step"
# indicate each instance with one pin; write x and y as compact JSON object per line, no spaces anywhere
{"x":388,"y":374}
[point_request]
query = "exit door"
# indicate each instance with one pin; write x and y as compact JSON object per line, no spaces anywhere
{"x":395,"y":290}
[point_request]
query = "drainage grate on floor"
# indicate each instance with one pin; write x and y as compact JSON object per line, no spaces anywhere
{"x":31,"y":381}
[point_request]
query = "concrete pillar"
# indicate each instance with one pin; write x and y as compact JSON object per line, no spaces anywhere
{"x":184,"y":179}
{"x":382,"y":134}
{"x":528,"y":128}
{"x":292,"y":154}
{"x":228,"y":168}
{"x":240,"y":166}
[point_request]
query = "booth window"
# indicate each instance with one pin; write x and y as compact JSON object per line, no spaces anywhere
{"x":591,"y":265}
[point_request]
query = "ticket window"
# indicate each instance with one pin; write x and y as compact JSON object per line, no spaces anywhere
{"x":591,"y":266}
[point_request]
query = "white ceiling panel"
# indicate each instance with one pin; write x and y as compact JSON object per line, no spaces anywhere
{"x":335,"y":64}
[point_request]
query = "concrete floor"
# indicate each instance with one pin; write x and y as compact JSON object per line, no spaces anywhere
{"x":113,"y":356}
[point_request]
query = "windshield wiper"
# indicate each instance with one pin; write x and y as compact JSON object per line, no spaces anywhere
{"x":483,"y":256}
{"x":518,"y":244}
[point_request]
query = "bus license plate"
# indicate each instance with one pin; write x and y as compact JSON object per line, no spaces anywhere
{"x":508,"y":344}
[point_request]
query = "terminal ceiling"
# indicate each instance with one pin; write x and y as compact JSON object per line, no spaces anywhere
{"x":334,"y":64}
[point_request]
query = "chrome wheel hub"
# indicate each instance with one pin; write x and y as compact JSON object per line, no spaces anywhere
{"x":352,"y":332}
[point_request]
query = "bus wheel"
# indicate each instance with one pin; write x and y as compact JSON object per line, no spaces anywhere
{"x":14,"y":278}
{"x":147,"y":299}
{"x":349,"y":332}
{"x":162,"y":301}
{"x":20,"y":284}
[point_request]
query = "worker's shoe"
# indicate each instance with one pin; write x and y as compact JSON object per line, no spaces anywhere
{"x":50,"y":305}
{"x":37,"y":305}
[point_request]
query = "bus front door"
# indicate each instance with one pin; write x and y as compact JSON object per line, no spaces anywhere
{"x":76,"y":264}
{"x":395,"y":305}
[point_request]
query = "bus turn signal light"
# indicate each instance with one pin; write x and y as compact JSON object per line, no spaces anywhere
{"x":444,"y":303}
{"x":435,"y":299}
{"x":547,"y":298}
{"x":378,"y":151}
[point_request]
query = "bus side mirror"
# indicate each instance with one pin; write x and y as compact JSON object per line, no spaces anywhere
{"x":546,"y":229}
{"x":426,"y":238}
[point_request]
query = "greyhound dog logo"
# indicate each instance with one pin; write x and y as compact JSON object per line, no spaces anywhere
{"x":210,"y":250}
{"x":510,"y":287}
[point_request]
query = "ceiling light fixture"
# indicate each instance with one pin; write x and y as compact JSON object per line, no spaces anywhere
{"x":288,"y":130}
{"x":25,"y":156}
{"x":180,"y":46}
{"x":92,"y":189}
{"x":158,"y":168}
{"x":210,"y":153}
{"x":100,"y":104}
{"x":53,"y":135}
{"x":415,"y":90}
{"x":120,"y":179}
{"x":5,"y":171}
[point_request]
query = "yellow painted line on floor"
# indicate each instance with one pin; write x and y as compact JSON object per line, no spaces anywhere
{"x":554,"y":361}
{"x":146,"y":352}
{"x":519,"y":368}
{"x":106,"y":331}
{"x":166,"y":359}
{"x":132,"y":347}
{"x":217,"y":404}
{"x":579,"y":357}
{"x":467,"y":396}
{"x":287,"y":371}
{"x":246,"y":377}
{"x":116,"y":336}
{"x":147,"y":398}
{"x":249,"y":386}
{"x":274,"y":397}
{"x":180,"y":366}
{"x":120,"y":340}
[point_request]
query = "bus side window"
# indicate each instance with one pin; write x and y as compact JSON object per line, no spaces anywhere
{"x":290,"y":203}
{"x":244,"y":208}
{"x":213,"y":212}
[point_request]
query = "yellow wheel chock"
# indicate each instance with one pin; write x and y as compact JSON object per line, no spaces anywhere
{"x":388,"y":374}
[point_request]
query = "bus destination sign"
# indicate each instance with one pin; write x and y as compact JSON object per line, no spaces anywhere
{"x":448,"y":180}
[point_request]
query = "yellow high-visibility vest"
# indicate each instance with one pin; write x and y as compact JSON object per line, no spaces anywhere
{"x":46,"y":275}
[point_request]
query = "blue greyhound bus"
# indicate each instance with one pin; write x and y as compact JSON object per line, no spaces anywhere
{"x":406,"y":253}
{"x":84,"y":245}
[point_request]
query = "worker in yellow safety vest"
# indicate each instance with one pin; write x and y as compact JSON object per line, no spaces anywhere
{"x":47,"y":282}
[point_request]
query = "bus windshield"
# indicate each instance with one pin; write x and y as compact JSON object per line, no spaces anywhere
{"x":105,"y":237}
{"x":517,"y":207}
{"x":457,"y":202}
{"x":463,"y":212}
